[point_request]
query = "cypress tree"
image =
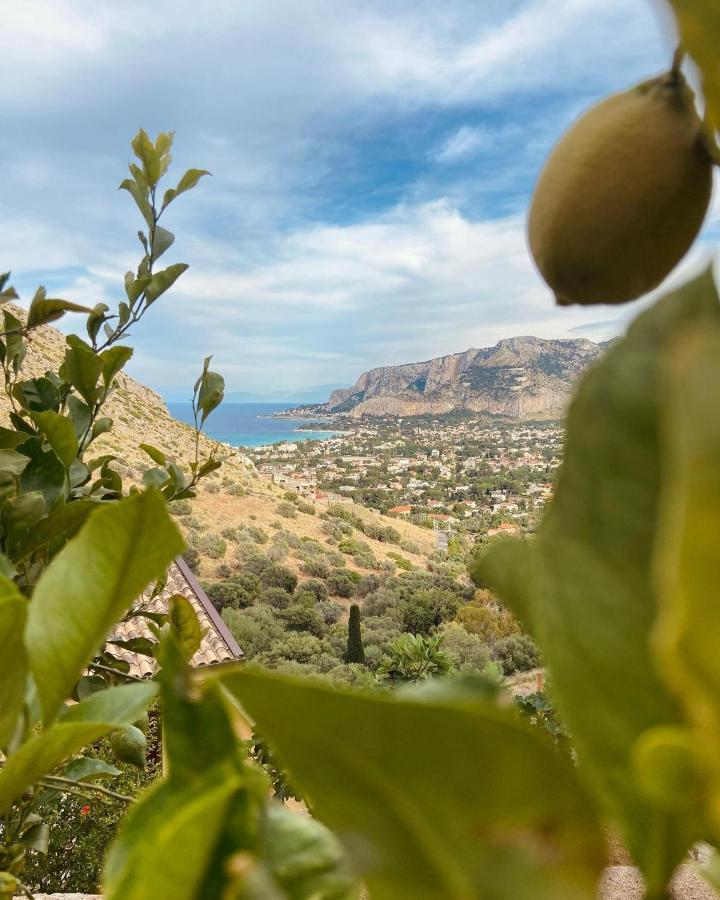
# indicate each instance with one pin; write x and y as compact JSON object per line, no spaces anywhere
{"x":355,"y":652}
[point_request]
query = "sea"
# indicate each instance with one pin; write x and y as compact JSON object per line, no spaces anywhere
{"x":251,"y":425}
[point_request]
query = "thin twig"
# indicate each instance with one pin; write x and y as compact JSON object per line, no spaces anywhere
{"x":81,"y":786}
{"x":101,"y":668}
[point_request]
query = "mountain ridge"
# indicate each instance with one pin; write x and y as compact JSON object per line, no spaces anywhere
{"x":519,"y":377}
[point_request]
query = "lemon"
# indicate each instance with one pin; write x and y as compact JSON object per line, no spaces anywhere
{"x":128,"y":745}
{"x":623,"y":195}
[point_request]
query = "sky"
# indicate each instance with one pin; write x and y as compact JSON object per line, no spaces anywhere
{"x":372,"y":163}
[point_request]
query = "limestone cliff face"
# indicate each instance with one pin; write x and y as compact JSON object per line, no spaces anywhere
{"x":522,"y":377}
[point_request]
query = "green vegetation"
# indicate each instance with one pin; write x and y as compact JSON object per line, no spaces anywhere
{"x":450,"y":791}
{"x":354,"y":652}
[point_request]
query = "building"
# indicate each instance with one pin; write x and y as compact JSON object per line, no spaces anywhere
{"x":217,"y":645}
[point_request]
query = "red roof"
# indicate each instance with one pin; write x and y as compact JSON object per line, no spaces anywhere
{"x":400,"y":509}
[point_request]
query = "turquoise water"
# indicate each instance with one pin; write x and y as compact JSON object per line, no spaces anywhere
{"x":247,"y":425}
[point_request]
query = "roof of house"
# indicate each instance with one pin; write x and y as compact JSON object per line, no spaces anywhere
{"x":218,"y":645}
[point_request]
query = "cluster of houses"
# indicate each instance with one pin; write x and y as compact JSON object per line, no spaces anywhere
{"x":437,"y":481}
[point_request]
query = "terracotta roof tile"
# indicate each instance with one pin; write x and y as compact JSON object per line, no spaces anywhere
{"x":217,"y":645}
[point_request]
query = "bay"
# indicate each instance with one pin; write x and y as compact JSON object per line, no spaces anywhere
{"x":250,"y":425}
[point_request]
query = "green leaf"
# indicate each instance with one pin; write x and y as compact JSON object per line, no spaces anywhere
{"x":149,"y":156}
{"x":60,"y":434}
{"x":141,"y":645}
{"x":452,"y":800}
{"x":13,"y":462}
{"x":155,"y":455}
{"x":15,"y":346}
{"x":20,"y":517}
{"x":85,"y":768}
{"x":100,"y":426}
{"x":80,"y":415}
{"x":113,"y":360}
{"x":596,"y":604}
{"x":185,"y":716}
{"x":82,"y":369}
{"x":44,"y":473}
{"x":13,"y":659}
{"x":162,"y":281}
{"x":167,"y":840}
{"x":687,"y":638}
{"x":88,"y":587}
{"x":509,"y":566}
{"x":60,"y":525}
{"x":9,"y":438}
{"x":37,"y":838}
{"x":37,"y":394}
{"x":162,"y":240}
{"x":82,"y":724}
{"x":209,"y":390}
{"x":43,"y":310}
{"x":96,"y":319}
{"x":699,"y":25}
{"x":134,"y":287}
{"x":301,"y":857}
{"x":140,"y":196}
{"x":6,"y":293}
{"x":185,"y":623}
{"x":188,"y":181}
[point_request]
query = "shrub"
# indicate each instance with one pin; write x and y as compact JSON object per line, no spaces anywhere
{"x":317,"y":568}
{"x":230,"y":534}
{"x":257,"y":534}
{"x":488,"y":622}
{"x":401,"y":562}
{"x":211,"y":545}
{"x":339,"y":585}
{"x":384,"y":533}
{"x":368,"y":584}
{"x":516,"y":653}
{"x":256,"y":629}
{"x":235,"y":490}
{"x":427,"y":608}
{"x":300,"y":617}
{"x":286,"y":510}
{"x":315,"y":587}
{"x":300,"y":647}
{"x":192,"y":558}
{"x":306,"y":508}
{"x":414,"y":658}
{"x":276,"y":597}
{"x":411,"y":547}
{"x":330,"y":611}
{"x":290,"y":496}
{"x":237,"y":592}
{"x":468,"y":652}
{"x":180,"y":507}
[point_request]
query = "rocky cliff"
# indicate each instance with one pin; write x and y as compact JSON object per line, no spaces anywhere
{"x":521,"y":377}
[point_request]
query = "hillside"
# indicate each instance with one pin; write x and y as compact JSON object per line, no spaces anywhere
{"x":232,"y":498}
{"x":520,"y":378}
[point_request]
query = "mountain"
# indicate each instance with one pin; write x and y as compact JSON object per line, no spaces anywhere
{"x":229,"y":499}
{"x":520,"y":377}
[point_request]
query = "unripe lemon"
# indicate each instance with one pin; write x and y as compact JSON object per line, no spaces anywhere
{"x":128,"y":745}
{"x":623,"y":195}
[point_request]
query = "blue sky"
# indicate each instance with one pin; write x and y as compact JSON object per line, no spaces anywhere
{"x":372,"y":163}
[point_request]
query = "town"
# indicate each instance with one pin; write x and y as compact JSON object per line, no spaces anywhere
{"x":464,"y":475}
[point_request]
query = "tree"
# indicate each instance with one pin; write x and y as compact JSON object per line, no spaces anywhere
{"x":355,"y":652}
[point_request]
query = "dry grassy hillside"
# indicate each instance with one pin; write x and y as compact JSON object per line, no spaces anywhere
{"x":233,"y":497}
